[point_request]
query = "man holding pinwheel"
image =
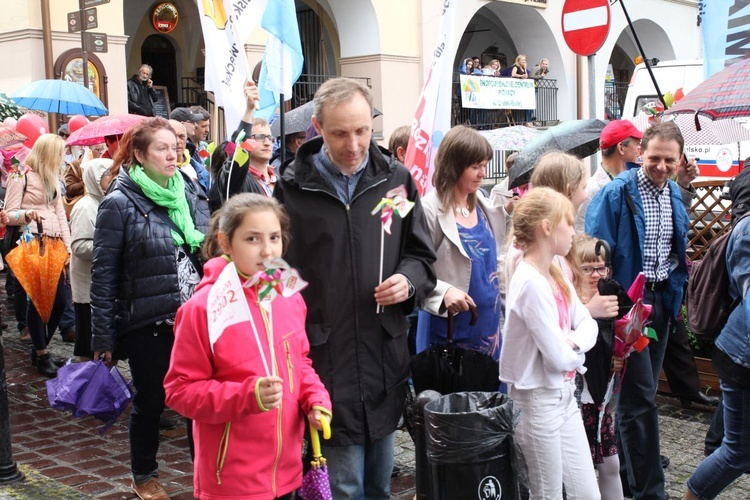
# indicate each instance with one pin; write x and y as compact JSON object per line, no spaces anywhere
{"x":363,"y":280}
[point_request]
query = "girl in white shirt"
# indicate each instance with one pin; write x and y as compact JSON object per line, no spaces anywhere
{"x":547,"y":331}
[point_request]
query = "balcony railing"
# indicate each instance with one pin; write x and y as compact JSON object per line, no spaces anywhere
{"x":485,"y":119}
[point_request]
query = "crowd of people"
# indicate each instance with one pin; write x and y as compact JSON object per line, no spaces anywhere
{"x":247,"y":295}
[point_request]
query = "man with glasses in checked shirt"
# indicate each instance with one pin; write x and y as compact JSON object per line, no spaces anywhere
{"x":641,"y":215}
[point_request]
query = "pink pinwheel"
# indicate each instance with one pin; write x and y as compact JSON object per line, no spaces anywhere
{"x":397,"y":202}
{"x":629,"y":334}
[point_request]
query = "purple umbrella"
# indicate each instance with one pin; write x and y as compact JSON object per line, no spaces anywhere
{"x":315,"y":484}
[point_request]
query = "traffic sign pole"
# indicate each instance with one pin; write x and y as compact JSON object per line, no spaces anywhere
{"x":84,"y":53}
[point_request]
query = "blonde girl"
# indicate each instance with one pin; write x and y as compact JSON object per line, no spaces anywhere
{"x":546,"y":333}
{"x":601,"y":437}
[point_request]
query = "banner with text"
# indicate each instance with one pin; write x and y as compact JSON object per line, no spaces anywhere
{"x":491,"y":92}
{"x":726,"y":33}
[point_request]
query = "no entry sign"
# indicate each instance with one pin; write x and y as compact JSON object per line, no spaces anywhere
{"x":585,"y":25}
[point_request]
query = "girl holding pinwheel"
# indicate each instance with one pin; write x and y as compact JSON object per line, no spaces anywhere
{"x":467,"y":233}
{"x":239,"y":366}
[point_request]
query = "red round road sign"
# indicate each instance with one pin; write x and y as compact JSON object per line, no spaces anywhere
{"x":585,"y":25}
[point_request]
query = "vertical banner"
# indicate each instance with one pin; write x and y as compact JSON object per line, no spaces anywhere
{"x":725,"y":25}
{"x":226,"y":26}
{"x":432,"y":117}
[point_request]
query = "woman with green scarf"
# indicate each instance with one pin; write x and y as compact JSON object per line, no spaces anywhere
{"x":145,"y":264}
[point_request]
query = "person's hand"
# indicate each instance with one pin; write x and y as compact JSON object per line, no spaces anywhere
{"x":617,"y":364}
{"x":251,"y":95}
{"x":107,"y":356}
{"x":393,"y":290}
{"x":33,"y":215}
{"x":4,"y":219}
{"x":457,"y":301}
{"x":603,"y":306}
{"x":270,"y":392}
{"x":687,"y":171}
{"x":511,"y":205}
{"x":149,"y":83}
{"x":315,"y":416}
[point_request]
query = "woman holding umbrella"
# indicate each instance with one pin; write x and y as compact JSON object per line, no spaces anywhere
{"x":149,"y":230}
{"x":468,"y":234}
{"x":35,"y":196}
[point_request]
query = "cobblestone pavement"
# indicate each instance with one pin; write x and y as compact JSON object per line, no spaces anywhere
{"x":64,"y":457}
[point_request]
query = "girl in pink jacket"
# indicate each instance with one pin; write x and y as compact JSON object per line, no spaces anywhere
{"x":239,"y":366}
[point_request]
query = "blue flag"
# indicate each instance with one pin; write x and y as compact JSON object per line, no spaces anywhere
{"x":283,"y":59}
{"x":725,"y":25}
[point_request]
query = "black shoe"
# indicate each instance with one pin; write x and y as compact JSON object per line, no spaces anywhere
{"x":46,"y":366}
{"x":57,"y":361}
{"x":166,"y":424}
{"x":69,"y":336}
{"x":664,"y":461}
{"x":699,"y":398}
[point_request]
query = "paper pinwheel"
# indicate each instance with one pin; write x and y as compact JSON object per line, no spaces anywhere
{"x":397,"y":202}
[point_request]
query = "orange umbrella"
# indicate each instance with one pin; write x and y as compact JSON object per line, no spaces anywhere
{"x":37,"y":262}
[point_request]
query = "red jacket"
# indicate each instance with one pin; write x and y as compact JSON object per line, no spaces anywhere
{"x":217,"y":387}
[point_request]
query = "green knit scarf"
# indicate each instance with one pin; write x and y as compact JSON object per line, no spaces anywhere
{"x":174,"y":200}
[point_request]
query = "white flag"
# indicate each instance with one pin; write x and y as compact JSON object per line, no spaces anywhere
{"x":226,"y":27}
{"x":432,"y":119}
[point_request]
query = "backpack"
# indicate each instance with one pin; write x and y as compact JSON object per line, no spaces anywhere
{"x":708,"y":301}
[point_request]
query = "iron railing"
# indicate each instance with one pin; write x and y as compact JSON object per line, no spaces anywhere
{"x":614,"y":99}
{"x":486,"y":119}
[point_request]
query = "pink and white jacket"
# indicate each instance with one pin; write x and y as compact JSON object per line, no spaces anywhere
{"x":242,"y":451}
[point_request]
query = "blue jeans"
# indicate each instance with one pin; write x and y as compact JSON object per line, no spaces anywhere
{"x":730,"y":460}
{"x":637,"y":415}
{"x":361,"y":471}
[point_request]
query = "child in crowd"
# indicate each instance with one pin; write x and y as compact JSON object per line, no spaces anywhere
{"x":248,"y":384}
{"x":604,"y":449}
{"x":546,"y":333}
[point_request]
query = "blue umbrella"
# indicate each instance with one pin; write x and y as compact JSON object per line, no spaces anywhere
{"x":59,"y":96}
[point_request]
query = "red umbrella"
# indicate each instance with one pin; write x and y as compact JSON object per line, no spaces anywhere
{"x":94,"y":132}
{"x":725,"y":95}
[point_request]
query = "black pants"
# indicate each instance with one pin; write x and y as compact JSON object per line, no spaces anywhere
{"x":40,"y":331}
{"x":149,"y":349}
{"x":14,"y":290}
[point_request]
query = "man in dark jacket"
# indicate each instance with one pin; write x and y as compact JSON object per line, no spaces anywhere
{"x":141,"y":92}
{"x":358,"y":297}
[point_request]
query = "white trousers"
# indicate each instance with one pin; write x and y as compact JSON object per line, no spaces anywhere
{"x":554,"y":443}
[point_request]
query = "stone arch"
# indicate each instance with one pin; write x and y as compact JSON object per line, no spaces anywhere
{"x":356,"y":23}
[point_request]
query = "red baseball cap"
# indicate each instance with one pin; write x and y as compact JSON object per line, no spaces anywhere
{"x":617,"y":131}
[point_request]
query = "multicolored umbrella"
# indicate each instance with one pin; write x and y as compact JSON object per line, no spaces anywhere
{"x":725,"y":95}
{"x":510,"y":138}
{"x":9,"y":108}
{"x":721,"y":131}
{"x":95,"y":132}
{"x":59,"y":96}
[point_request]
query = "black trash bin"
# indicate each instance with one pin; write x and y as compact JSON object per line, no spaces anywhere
{"x":471,"y":447}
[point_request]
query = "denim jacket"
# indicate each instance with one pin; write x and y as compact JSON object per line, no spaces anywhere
{"x":734,"y":339}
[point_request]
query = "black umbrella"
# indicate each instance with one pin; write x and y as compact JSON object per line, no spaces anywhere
{"x":299,"y":119}
{"x":599,"y":358}
{"x":447,"y":368}
{"x":577,"y":137}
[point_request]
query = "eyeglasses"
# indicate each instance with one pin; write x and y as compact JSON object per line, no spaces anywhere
{"x":590,"y":270}
{"x":262,"y":137}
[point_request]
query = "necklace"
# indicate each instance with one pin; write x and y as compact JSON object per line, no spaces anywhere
{"x":463,"y":211}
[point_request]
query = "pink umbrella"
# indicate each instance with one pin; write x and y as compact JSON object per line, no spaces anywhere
{"x":96,"y":131}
